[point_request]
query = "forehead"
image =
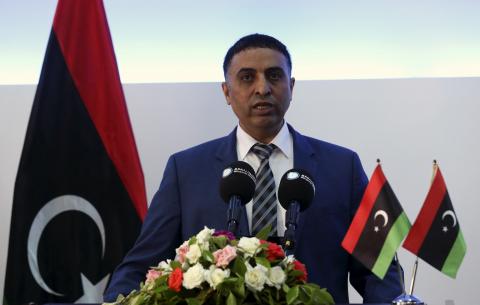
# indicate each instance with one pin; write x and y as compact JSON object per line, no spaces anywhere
{"x":258,"y":59}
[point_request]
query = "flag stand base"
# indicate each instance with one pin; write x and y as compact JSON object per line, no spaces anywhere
{"x":407,"y":299}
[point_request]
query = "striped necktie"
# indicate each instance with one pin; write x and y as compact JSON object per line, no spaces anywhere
{"x":264,"y":210}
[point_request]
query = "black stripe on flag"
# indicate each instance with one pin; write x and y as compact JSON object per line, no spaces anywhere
{"x":441,"y":235}
{"x":385,"y":212}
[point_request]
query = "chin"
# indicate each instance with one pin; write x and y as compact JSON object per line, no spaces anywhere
{"x":270,"y":126}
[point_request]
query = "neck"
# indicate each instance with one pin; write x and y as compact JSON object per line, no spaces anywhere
{"x":264,"y":136}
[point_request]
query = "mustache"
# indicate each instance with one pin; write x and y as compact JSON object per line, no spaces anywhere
{"x":264,"y":102}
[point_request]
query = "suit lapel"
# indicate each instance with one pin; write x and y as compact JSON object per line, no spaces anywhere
{"x":303,"y":158}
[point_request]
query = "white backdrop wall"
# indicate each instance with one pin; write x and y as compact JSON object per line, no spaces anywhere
{"x":405,"y":122}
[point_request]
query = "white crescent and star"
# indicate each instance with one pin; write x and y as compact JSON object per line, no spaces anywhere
{"x":49,"y":211}
{"x":384,"y":215}
{"x":454,"y":218}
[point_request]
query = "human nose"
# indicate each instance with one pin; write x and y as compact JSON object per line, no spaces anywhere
{"x":263,"y":87}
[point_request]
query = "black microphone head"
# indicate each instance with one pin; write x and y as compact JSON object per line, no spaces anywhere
{"x":238,"y":179}
{"x":296,"y":185}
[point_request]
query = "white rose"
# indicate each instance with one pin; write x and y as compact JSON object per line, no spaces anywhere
{"x":249,"y":245}
{"x":276,"y":277}
{"x":255,"y":278}
{"x":194,"y":277}
{"x":204,"y":236}
{"x":165,"y":265}
{"x":193,"y":254}
{"x":288,"y":260}
{"x":215,"y":276}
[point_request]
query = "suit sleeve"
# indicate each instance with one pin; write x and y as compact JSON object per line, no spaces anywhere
{"x":370,"y":287}
{"x":159,"y":237}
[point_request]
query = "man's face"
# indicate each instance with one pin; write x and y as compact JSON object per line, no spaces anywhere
{"x":259,"y":89}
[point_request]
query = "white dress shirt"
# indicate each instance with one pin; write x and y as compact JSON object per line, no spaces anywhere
{"x":281,"y":161}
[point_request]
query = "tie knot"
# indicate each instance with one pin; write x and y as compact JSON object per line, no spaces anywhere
{"x":263,"y":151}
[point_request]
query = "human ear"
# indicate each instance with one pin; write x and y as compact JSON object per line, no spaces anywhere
{"x":226,"y":92}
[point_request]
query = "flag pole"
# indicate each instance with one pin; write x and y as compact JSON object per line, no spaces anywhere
{"x":404,"y":298}
{"x":414,"y":276}
{"x":400,"y":274}
{"x":435,"y":168}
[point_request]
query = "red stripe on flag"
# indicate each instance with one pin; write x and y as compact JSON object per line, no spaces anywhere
{"x":427,"y":214}
{"x":82,"y":32}
{"x":360,"y":219}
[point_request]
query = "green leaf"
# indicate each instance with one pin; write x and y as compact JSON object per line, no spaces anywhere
{"x":263,"y":234}
{"x":219,"y":241}
{"x":239,"y":288}
{"x":312,"y":294}
{"x":175,"y":264}
{"x":231,"y":300}
{"x":239,"y":266}
{"x":208,"y":256}
{"x":324,"y":297}
{"x":218,"y":299}
{"x":262,"y":261}
{"x":304,"y":295}
{"x":193,"y":240}
{"x":295,"y":273}
{"x":270,"y":298}
{"x":193,"y":301}
{"x":292,"y":295}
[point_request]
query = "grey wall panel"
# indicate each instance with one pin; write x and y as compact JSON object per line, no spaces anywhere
{"x":404,"y":122}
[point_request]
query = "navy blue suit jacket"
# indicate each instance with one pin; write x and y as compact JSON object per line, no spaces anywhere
{"x":188,"y":199}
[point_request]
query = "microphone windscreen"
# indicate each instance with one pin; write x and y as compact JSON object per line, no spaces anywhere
{"x":296,"y":185}
{"x":238,"y":179}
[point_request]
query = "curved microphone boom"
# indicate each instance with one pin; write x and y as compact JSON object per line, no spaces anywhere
{"x":236,"y":189}
{"x":295,"y":193}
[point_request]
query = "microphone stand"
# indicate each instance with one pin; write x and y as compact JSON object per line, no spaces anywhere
{"x":233,"y":213}
{"x":291,"y":221}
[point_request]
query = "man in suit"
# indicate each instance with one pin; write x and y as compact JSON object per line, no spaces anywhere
{"x":258,"y":86}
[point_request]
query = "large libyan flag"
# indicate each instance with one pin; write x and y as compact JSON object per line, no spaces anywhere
{"x":378,"y":227}
{"x":79,"y":196}
{"x":435,"y":235}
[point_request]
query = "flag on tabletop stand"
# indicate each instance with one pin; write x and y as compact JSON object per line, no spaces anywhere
{"x":79,"y":197}
{"x":435,"y":235}
{"x":378,"y":227}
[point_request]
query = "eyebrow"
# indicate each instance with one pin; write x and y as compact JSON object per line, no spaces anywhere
{"x":250,"y":70}
{"x":246,"y":70}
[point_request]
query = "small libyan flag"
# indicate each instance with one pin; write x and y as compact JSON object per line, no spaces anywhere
{"x":436,"y":236}
{"x":378,"y":227}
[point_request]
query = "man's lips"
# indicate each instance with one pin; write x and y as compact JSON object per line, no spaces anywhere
{"x":263,"y":106}
{"x":263,"y":109}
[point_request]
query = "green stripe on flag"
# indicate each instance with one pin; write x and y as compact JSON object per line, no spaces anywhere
{"x":397,"y":233}
{"x":455,"y":257}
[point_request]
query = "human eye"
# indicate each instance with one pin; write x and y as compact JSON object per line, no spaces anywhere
{"x":275,"y":75}
{"x":246,"y":77}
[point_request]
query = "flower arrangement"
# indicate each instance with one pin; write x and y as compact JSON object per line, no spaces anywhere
{"x":214,"y":268}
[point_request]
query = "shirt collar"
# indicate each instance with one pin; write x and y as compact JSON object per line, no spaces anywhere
{"x":282,"y":140}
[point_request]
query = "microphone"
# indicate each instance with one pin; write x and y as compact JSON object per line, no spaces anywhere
{"x":295,"y":194}
{"x":236,"y":189}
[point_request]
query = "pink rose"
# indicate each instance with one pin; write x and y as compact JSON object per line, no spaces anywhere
{"x":224,"y":256}
{"x":182,"y":252}
{"x":152,"y":275}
